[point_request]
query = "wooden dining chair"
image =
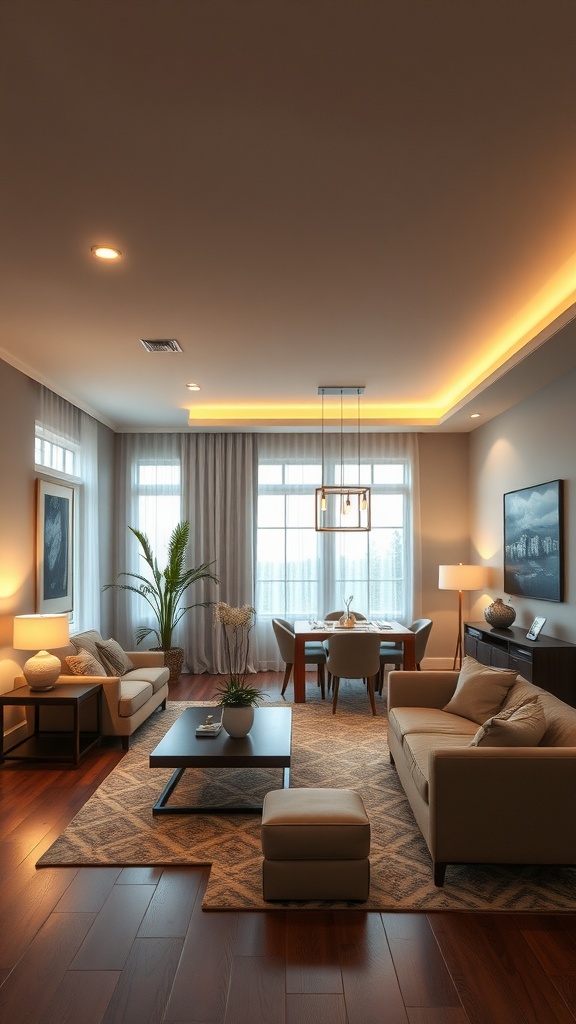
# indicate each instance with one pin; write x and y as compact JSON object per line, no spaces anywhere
{"x":354,"y":656}
{"x":314,"y":653}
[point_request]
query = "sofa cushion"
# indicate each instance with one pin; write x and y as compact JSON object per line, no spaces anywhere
{"x":514,"y":727}
{"x":84,"y":664}
{"x":404,"y":721}
{"x":417,"y":747}
{"x":480,"y":691}
{"x":560,"y":717}
{"x":115,"y":660}
{"x":87,"y":642}
{"x":133,"y":695}
{"x":156,"y":676}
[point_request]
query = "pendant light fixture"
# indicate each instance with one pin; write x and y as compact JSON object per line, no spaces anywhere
{"x":344,"y":507}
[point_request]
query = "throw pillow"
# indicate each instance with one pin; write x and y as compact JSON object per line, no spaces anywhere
{"x":84,"y":664}
{"x":87,"y":641}
{"x":480,"y":690}
{"x":518,"y":727}
{"x":115,"y":660}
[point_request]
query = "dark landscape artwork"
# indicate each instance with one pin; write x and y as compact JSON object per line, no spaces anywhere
{"x":533,"y":542}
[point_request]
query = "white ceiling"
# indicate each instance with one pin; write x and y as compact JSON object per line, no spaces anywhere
{"x":306,"y":192}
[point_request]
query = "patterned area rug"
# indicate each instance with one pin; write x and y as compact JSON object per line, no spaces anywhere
{"x":348,"y":750}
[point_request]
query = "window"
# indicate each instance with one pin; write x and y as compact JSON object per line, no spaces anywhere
{"x":288,"y":579}
{"x":55,"y":453}
{"x":302,"y":573}
{"x":158,"y":497}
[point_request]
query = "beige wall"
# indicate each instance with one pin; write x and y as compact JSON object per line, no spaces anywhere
{"x":532,"y":443}
{"x":18,"y":404}
{"x":444,"y":516}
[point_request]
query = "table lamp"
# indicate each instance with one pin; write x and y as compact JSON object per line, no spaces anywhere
{"x":32,"y":632}
{"x":461,"y":577}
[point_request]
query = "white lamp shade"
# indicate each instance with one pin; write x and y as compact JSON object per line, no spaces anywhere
{"x":462,"y":577}
{"x":40,"y":632}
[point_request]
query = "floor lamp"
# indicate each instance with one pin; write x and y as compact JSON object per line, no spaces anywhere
{"x":461,"y":577}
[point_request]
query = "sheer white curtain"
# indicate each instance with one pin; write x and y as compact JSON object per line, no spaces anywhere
{"x":148,"y":487}
{"x":210,"y":480}
{"x":301,"y":573}
{"x":61,"y":424}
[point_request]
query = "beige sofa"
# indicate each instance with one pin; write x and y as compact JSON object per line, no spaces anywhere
{"x":483,"y":804}
{"x":127,"y":699}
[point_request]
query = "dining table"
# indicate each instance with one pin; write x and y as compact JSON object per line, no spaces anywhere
{"x":312,"y":629}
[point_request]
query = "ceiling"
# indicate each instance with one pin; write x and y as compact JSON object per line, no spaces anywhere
{"x":305,"y":193}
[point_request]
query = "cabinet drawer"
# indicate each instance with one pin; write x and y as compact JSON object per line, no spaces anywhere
{"x":499,"y":658}
{"x":523,"y":668}
{"x":484,"y":653}
{"x":470,"y":645}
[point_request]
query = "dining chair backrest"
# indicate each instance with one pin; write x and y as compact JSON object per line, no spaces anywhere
{"x":422,"y":628}
{"x":354,"y":655}
{"x":332,"y":616}
{"x":285,"y":637}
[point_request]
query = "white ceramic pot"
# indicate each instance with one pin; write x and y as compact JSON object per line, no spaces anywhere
{"x":237,"y":722}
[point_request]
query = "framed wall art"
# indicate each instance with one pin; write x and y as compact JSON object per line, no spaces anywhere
{"x":54,"y":526}
{"x":533,"y":557}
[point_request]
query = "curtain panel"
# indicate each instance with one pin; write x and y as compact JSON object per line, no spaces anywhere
{"x":209,"y":480}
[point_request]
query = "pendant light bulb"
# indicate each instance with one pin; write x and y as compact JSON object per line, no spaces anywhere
{"x":364,"y":503}
{"x":323,"y":501}
{"x":347,"y":505}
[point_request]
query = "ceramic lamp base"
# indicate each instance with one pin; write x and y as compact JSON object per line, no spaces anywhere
{"x":42,"y":671}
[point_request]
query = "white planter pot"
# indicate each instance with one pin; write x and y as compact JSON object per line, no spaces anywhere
{"x":237,"y":722}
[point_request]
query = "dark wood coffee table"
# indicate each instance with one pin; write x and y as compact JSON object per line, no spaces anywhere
{"x":267,"y":745}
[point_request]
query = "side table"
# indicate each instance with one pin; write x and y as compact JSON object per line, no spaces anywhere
{"x":51,"y":744}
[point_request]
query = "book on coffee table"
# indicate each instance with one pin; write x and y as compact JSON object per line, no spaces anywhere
{"x":209,"y":729}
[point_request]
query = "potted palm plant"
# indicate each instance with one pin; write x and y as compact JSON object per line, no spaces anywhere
{"x":163,"y":590}
{"x":237,"y":698}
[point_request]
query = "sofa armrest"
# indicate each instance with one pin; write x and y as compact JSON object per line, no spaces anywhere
{"x":110,"y":698}
{"x":408,"y":689}
{"x":503,"y":804}
{"x":146,"y":659}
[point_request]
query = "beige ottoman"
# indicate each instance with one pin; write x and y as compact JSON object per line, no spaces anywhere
{"x":316,"y":844}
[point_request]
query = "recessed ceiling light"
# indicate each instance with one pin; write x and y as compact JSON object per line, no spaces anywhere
{"x":193,"y":387}
{"x":105,"y":252}
{"x":474,"y":415}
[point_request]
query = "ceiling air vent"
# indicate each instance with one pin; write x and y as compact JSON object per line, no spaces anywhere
{"x":161,"y":345}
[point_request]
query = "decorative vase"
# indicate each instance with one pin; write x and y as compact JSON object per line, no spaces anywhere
{"x":499,"y":614}
{"x":348,"y":620}
{"x":237,"y":722}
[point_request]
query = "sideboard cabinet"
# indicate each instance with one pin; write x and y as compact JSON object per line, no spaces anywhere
{"x":546,"y":662}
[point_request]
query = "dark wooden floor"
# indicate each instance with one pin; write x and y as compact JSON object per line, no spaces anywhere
{"x":91,"y":945}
